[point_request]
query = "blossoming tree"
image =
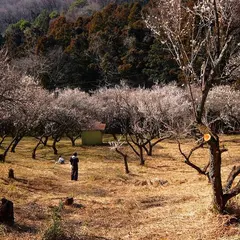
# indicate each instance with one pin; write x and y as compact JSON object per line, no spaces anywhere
{"x":203,"y":36}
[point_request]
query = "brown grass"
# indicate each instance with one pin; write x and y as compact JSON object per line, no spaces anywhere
{"x":108,"y":204}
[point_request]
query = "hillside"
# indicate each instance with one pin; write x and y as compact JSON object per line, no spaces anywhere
{"x":90,"y":44}
{"x":14,"y":10}
{"x":103,"y":49}
{"x":111,"y":205}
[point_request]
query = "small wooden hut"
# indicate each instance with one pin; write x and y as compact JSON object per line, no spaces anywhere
{"x":93,"y":135}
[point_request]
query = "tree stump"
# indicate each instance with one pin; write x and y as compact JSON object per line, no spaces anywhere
{"x":2,"y":158}
{"x":10,"y":173}
{"x":68,"y":201}
{"x":6,"y":212}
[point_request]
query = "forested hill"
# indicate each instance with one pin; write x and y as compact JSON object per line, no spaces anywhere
{"x":11,"y":11}
{"x":64,"y":48}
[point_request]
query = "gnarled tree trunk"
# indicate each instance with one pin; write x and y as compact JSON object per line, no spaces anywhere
{"x":35,"y":149}
{"x":55,"y":151}
{"x":3,"y":138}
{"x":45,"y":141}
{"x":215,"y":173}
{"x":3,"y":156}
{"x":15,"y":143}
{"x":125,"y":156}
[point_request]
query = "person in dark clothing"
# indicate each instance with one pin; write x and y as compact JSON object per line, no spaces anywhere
{"x":74,"y":163}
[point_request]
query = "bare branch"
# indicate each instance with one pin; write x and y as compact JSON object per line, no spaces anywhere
{"x":233,"y":174}
{"x":234,"y":192}
{"x":187,"y":157}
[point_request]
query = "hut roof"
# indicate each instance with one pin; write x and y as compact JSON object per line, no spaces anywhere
{"x":97,"y":126}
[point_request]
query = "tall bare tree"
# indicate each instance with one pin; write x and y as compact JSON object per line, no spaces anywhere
{"x":202,"y":37}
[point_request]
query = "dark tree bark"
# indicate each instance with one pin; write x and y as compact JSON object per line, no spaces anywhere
{"x":215,"y":173}
{"x":151,"y":145}
{"x":3,"y":156}
{"x":10,"y":173}
{"x":114,"y":136}
{"x":45,"y":141}
{"x":149,"y":150}
{"x":142,"y":161}
{"x":72,"y":141}
{"x":228,"y":192}
{"x":73,"y":138}
{"x":3,"y":138}
{"x":125,"y":156}
{"x":55,"y":151}
{"x":139,"y":146}
{"x":35,"y":149}
{"x":15,"y":143}
{"x":235,"y":172}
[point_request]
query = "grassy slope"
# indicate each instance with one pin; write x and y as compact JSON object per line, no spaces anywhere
{"x":111,"y":204}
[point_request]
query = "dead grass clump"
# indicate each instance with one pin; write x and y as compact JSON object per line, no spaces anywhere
{"x":3,"y":230}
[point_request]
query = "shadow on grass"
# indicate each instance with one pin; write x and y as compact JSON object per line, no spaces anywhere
{"x":9,"y":180}
{"x":19,"y":228}
{"x":84,"y":237}
{"x":21,"y":180}
{"x":78,"y":205}
{"x":22,"y":228}
{"x":233,"y":209}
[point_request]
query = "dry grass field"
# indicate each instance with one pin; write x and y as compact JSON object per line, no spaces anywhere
{"x":110,"y":205}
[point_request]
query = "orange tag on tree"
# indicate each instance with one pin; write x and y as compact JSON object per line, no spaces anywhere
{"x":206,"y":137}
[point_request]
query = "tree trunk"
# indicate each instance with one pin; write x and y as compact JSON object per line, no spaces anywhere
{"x":45,"y":141}
{"x":126,"y":164}
{"x":147,"y":150}
{"x":150,"y":144}
{"x":54,"y":146}
{"x":15,"y":143}
{"x":215,"y":174}
{"x":125,"y":156}
{"x":142,"y":161}
{"x":35,"y":149}
{"x":3,"y":156}
{"x":114,"y":137}
{"x":72,"y":141}
{"x":150,"y":150}
{"x":3,"y":138}
{"x":70,"y":136}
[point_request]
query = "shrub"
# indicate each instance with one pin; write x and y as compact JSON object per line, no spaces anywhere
{"x":55,"y":231}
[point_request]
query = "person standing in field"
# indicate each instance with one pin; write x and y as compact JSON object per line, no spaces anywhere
{"x":74,"y":163}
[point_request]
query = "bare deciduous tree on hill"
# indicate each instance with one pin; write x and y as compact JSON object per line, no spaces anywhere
{"x":202,"y":37}
{"x":144,"y":116}
{"x":70,"y":114}
{"x":222,"y":111}
{"x":10,"y":86}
